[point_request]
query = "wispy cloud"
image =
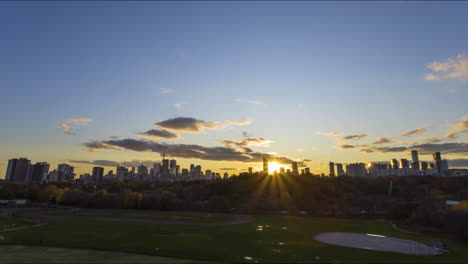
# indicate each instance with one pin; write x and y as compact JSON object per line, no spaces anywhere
{"x":345,"y":146}
{"x":166,"y":90}
{"x":453,"y":68}
{"x":67,"y":127}
{"x":458,"y":128}
{"x":415,"y":131}
{"x":192,"y":125}
{"x":257,"y":102}
{"x":179,"y":106}
{"x":81,"y":121}
{"x":352,"y":138}
{"x":383,"y":140}
{"x":332,"y":133}
{"x":160,"y":133}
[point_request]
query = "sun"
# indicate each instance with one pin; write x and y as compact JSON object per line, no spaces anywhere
{"x":274,"y":166}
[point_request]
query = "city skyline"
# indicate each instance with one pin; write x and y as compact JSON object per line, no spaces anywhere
{"x":221,"y":85}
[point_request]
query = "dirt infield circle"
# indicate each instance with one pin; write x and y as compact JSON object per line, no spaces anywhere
{"x":376,"y":242}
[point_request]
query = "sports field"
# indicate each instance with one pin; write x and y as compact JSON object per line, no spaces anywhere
{"x":261,"y":238}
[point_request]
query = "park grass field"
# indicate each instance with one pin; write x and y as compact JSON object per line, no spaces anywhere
{"x":193,"y":217}
{"x":281,"y":239}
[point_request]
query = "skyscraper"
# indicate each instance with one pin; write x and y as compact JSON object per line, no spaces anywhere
{"x":424,"y":165}
{"x":250,"y":170}
{"x":404,"y":163}
{"x":294,"y":168}
{"x":395,"y":164}
{"x":98,"y":173}
{"x":18,"y":170}
{"x":165,"y":168}
{"x":339,"y":169}
{"x":65,"y":172}
{"x":332,"y":169}
{"x":414,"y":156}
{"x":265,"y":164}
{"x":437,"y":161}
{"x":39,"y":172}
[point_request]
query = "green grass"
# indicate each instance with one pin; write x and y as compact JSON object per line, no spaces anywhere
{"x":230,"y":243}
{"x":152,"y":215}
{"x":8,"y":223}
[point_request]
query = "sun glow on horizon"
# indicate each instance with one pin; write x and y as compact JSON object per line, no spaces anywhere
{"x":274,"y":166}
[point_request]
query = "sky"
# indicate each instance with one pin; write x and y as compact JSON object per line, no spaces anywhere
{"x":221,"y":83}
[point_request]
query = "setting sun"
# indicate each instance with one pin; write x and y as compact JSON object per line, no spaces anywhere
{"x":274,"y":166}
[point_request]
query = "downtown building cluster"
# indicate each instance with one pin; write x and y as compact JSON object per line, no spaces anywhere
{"x":22,"y":170}
{"x":438,"y":167}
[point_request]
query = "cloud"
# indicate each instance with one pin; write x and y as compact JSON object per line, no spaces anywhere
{"x":458,"y":128}
{"x":66,"y":129}
{"x":246,"y":143}
{"x":97,"y":145}
{"x":226,"y":169}
{"x":453,"y":68}
{"x":459,"y":163}
{"x":332,"y":133}
{"x":245,"y":134}
{"x":237,"y":99}
{"x":257,"y":102}
{"x":300,"y":105}
{"x":81,"y":121}
{"x":192,"y":125}
{"x":352,"y":138}
{"x":188,"y":151}
{"x":179,"y":106}
{"x":166,"y":90}
{"x":345,"y":146}
{"x":78,"y":121}
{"x":110,"y":163}
{"x":460,"y":148}
{"x":415,"y":131}
{"x":382,"y":140}
{"x":160,"y":133}
{"x":307,"y":160}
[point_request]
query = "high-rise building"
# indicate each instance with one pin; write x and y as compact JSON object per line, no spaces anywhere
{"x":65,"y":172}
{"x":172,"y":163}
{"x":225,"y":176}
{"x":294,"y":168}
{"x":98,"y":173}
{"x":156,"y":169}
{"x":395,"y":164}
{"x":165,"y":168}
{"x":339,"y":169}
{"x":356,"y":169}
{"x":250,"y":170}
{"x":445,"y":166}
{"x":142,"y":170}
{"x":414,"y":155}
{"x":332,"y":169}
{"x":282,"y":170}
{"x":437,"y":161}
{"x":307,"y":170}
{"x":424,"y":165}
{"x":39,"y":172}
{"x":265,"y":164}
{"x":404,"y":164}
{"x":18,"y":170}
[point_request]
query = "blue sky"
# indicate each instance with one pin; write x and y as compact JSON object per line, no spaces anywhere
{"x":293,"y":68}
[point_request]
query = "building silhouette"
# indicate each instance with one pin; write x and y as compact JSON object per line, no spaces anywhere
{"x":294,"y":168}
{"x":98,"y":173}
{"x":339,"y":169}
{"x":18,"y":170}
{"x":331,"y":165}
{"x":437,"y":161}
{"x":265,"y":164}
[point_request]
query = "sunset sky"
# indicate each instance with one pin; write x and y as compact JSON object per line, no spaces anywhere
{"x":220,"y":83}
